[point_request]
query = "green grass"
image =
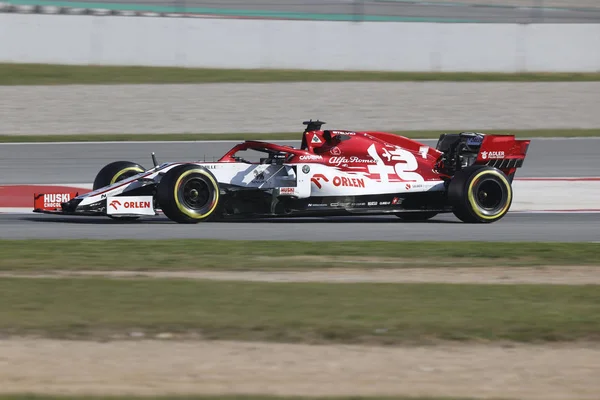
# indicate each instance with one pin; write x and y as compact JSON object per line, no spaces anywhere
{"x":101,"y":137}
{"x":42,"y":74}
{"x":101,"y":308}
{"x":219,"y":397}
{"x":199,"y":254}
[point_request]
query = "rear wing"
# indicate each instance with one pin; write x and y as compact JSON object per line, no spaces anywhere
{"x":460,"y":150}
{"x":503,"y":152}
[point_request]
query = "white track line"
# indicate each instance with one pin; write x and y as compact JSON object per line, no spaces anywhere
{"x":151,"y":142}
{"x":242,"y":140}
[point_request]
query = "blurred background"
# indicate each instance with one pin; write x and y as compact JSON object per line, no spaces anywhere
{"x":477,"y":11}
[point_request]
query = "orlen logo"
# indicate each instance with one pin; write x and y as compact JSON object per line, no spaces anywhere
{"x":316,"y":179}
{"x":338,"y":181}
{"x":129,"y":204}
{"x":54,"y":200}
{"x":114,"y":204}
{"x":350,"y":182}
{"x":492,"y":154}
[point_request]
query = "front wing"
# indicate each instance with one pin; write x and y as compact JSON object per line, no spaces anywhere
{"x":117,"y":206}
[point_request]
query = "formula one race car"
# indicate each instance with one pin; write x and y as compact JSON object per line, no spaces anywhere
{"x":334,"y":172}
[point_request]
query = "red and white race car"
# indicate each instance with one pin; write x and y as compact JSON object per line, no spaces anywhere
{"x":334,"y":172}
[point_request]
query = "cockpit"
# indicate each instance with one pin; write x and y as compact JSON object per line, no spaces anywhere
{"x":315,"y":140}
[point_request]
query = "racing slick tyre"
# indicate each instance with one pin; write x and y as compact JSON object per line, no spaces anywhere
{"x":115,"y":172}
{"x":480,"y":194}
{"x":189,"y":194}
{"x":416,"y":216}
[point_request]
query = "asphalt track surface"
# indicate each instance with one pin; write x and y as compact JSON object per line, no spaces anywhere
{"x":515,"y":227}
{"x":78,"y":163}
{"x":50,"y":163}
{"x":524,"y":11}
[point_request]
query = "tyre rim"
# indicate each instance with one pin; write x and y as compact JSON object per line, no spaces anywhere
{"x":490,"y":196}
{"x":195,"y":194}
{"x":126,"y":175}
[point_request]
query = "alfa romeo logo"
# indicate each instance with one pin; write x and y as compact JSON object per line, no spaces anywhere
{"x":306,"y":169}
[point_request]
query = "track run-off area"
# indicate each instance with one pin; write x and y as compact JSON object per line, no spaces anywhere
{"x":164,"y":317}
{"x":556,"y":198}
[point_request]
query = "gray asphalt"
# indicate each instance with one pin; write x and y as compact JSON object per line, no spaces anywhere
{"x":79,"y":163}
{"x":446,"y":10}
{"x":514,"y":227}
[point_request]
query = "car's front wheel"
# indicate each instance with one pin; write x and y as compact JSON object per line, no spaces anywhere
{"x":188,"y":194}
{"x":115,"y":172}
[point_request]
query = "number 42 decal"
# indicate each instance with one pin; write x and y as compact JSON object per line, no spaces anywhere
{"x":404,"y":167}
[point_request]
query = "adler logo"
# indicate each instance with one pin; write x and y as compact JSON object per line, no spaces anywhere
{"x":139,"y":205}
{"x":492,"y":154}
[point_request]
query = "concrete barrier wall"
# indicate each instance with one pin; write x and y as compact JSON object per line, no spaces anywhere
{"x":230,"y":43}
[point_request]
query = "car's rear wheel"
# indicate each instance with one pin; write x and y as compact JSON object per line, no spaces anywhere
{"x":115,"y":172}
{"x":419,"y":216}
{"x":189,"y":194}
{"x":480,"y":194}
